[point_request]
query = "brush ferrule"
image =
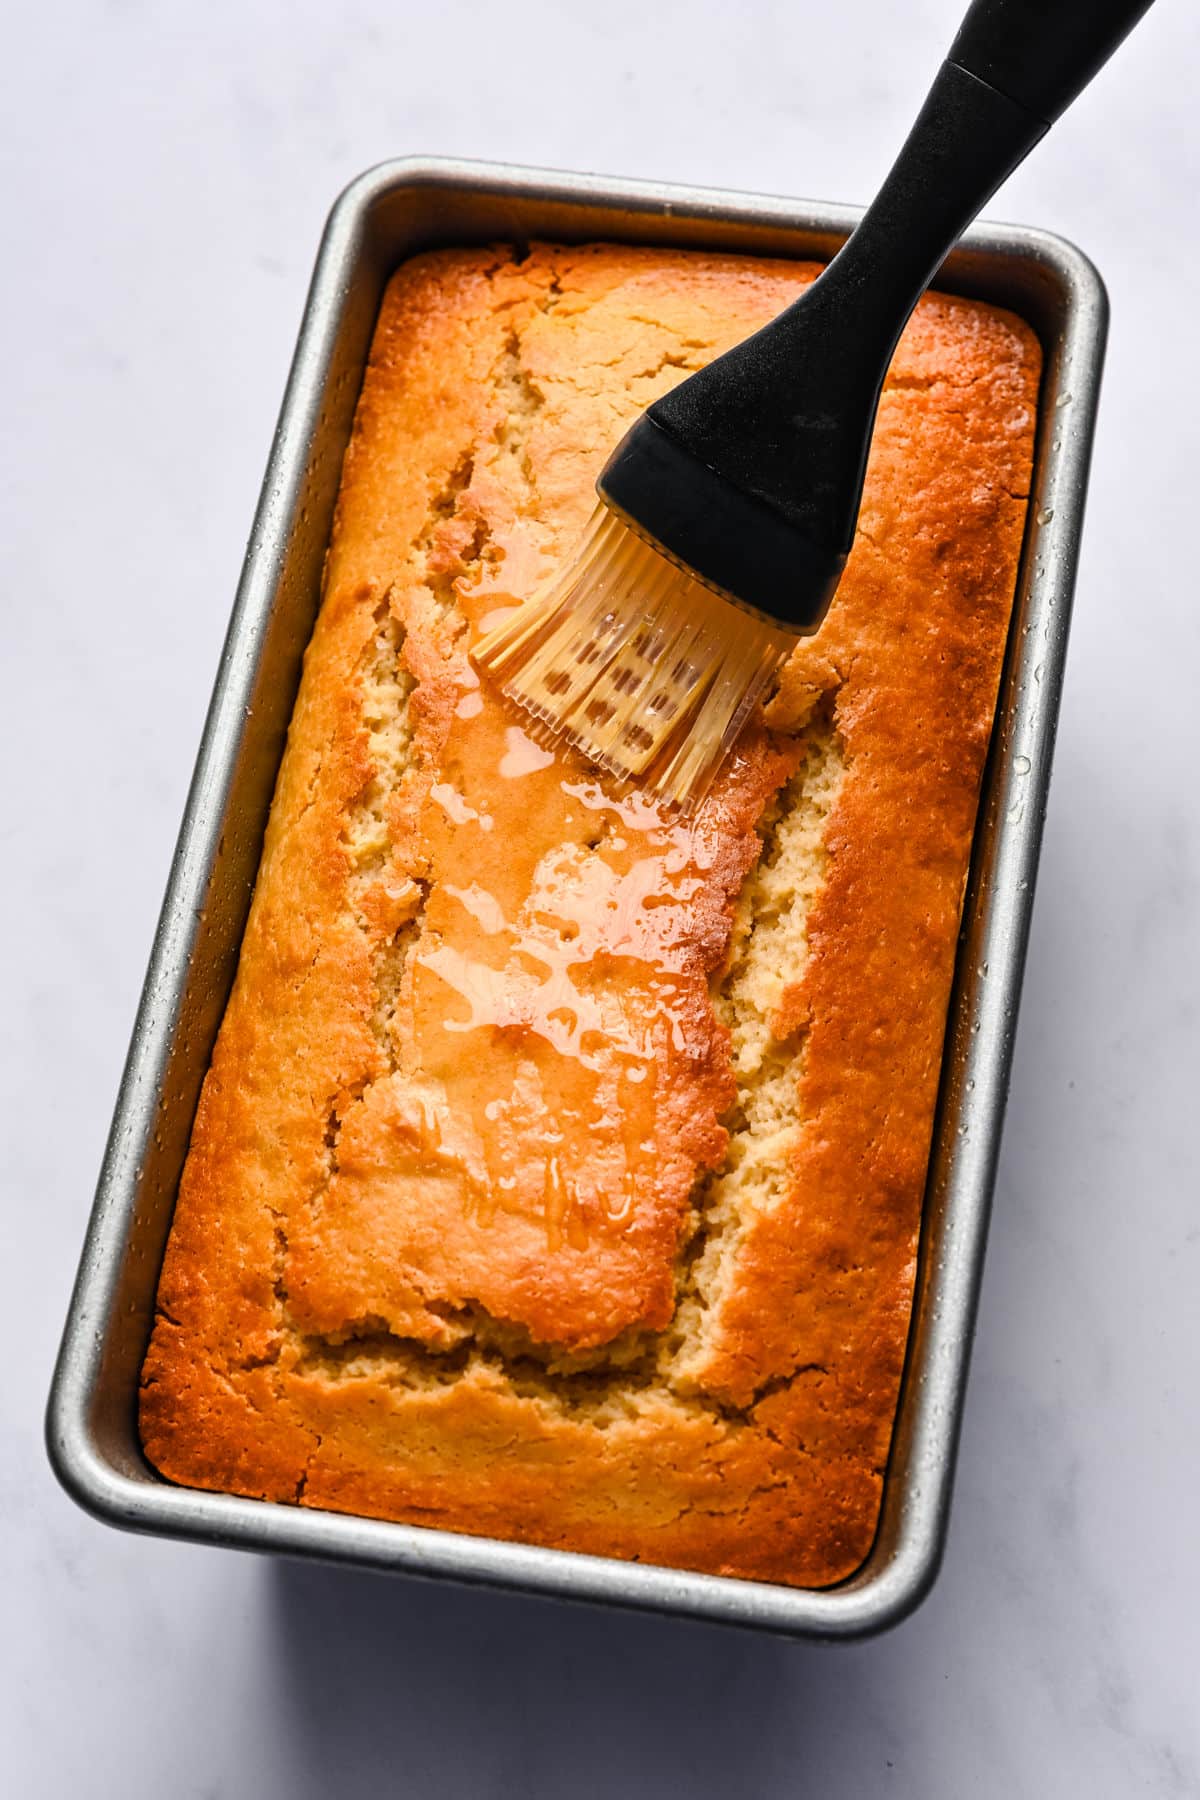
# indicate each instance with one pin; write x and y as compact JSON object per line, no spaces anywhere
{"x":731,"y":541}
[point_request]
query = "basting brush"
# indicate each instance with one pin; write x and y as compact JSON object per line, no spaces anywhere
{"x":727,"y":511}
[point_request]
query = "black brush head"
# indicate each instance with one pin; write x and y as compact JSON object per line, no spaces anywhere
{"x":748,"y":551}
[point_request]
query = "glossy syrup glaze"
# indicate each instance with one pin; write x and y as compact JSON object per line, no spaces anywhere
{"x":551,"y":980}
{"x":558,"y":1076}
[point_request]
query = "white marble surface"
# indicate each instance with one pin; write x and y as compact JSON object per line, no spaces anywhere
{"x":168,"y":169}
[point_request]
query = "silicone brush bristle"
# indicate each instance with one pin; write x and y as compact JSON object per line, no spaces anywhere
{"x":649,"y":672}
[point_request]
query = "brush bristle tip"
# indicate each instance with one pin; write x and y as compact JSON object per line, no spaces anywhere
{"x":578,"y":658}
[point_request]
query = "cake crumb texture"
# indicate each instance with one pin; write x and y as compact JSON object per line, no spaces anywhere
{"x":558,"y":1174}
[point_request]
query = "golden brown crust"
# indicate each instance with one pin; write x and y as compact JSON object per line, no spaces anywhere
{"x":484,"y":1225}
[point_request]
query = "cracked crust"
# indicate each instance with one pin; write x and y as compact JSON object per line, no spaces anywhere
{"x":677,"y":1334}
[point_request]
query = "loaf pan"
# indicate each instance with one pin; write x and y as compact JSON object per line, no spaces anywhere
{"x":387,"y":215}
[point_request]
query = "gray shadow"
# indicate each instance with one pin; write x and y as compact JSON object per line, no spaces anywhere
{"x":450,"y":1691}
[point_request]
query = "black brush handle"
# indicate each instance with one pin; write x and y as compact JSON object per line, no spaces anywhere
{"x":1042,"y":53}
{"x":750,"y":472}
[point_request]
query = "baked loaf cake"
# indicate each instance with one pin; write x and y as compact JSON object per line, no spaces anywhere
{"x":558,"y":1175}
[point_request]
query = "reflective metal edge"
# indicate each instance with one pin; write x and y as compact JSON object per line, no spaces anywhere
{"x":385,"y":215}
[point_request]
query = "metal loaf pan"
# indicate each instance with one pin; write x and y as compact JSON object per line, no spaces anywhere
{"x":384,"y":217}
